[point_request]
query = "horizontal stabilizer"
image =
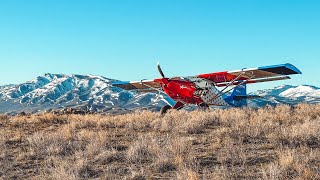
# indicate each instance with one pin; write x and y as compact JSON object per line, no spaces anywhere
{"x":240,"y":97}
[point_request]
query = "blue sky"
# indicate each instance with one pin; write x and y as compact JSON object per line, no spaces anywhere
{"x":124,"y":39}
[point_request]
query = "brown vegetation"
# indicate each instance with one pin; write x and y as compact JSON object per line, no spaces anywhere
{"x":268,"y":143}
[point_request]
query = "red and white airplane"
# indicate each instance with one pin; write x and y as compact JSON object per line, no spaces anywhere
{"x":210,"y":89}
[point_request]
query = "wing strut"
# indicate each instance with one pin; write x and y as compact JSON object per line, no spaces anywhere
{"x":224,"y":92}
{"x":231,"y":82}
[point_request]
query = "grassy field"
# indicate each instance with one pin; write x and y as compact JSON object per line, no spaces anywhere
{"x":269,"y":143}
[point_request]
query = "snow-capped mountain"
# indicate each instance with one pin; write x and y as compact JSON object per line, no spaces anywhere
{"x":287,"y":94}
{"x":52,"y":91}
{"x":307,"y":91}
{"x":96,"y":93}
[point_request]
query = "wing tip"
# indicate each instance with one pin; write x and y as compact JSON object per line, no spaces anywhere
{"x":293,"y":68}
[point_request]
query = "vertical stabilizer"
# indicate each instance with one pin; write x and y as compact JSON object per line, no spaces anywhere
{"x":238,"y":96}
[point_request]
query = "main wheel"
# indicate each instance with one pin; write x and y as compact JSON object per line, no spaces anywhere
{"x":164,"y":109}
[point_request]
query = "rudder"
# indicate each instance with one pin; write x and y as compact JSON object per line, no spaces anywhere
{"x":238,"y":92}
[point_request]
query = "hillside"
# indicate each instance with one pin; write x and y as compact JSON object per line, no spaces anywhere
{"x":287,"y":94}
{"x":96,"y":94}
{"x":268,"y":143}
{"x":86,"y":92}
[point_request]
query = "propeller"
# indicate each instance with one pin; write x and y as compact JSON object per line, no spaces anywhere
{"x":160,"y":71}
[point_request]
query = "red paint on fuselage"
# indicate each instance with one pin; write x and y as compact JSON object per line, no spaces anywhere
{"x":180,"y":90}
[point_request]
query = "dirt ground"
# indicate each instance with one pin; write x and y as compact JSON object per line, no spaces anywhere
{"x":268,"y":143}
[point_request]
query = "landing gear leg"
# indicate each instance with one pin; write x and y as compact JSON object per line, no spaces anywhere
{"x":178,"y":105}
{"x":165,"y":108}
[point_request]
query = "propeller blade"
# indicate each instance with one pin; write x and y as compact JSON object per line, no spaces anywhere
{"x":160,"y":71}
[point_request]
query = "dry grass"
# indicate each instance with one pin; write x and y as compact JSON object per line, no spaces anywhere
{"x":268,"y":143}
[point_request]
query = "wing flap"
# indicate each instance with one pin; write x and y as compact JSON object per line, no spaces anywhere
{"x":251,"y":81}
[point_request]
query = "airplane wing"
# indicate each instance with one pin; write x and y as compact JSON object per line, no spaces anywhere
{"x":252,"y":75}
{"x":225,"y":78}
{"x":142,"y":86}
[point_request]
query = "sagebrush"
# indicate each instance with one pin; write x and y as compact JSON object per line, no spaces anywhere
{"x":267,"y":143}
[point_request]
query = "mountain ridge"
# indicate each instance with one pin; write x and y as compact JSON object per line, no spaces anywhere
{"x":53,"y":91}
{"x":96,"y":94}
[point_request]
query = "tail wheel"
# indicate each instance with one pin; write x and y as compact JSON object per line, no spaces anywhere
{"x":165,"y":109}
